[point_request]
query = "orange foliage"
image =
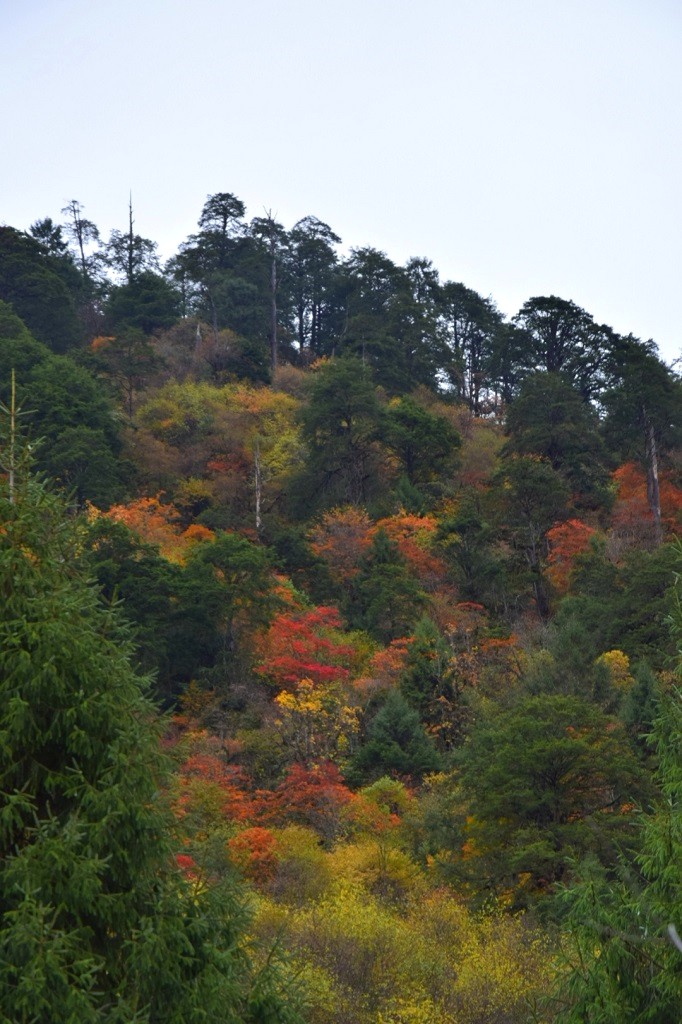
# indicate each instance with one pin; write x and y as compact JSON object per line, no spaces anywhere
{"x":413,"y":536}
{"x":101,"y":342}
{"x":157,"y":524}
{"x":385,"y":667}
{"x":632,"y":519}
{"x":254,"y":851}
{"x":566,"y":541}
{"x":341,"y":538}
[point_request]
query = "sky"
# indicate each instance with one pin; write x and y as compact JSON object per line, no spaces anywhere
{"x":526,"y":147}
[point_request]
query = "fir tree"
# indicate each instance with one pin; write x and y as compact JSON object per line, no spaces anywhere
{"x":97,"y":924}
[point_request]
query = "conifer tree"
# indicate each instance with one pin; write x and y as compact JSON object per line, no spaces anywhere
{"x":626,"y":963}
{"x":96,"y":922}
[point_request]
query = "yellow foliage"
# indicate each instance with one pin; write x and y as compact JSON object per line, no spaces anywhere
{"x":429,"y":960}
{"x":315,"y":720}
{"x":618,"y":665}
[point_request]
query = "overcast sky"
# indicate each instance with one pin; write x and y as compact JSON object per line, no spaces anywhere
{"x":526,"y":147}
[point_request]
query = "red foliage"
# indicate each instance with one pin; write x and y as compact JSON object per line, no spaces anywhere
{"x":310,"y":796}
{"x":188,"y":866}
{"x":298,"y":645}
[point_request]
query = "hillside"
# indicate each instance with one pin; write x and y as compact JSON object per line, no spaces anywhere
{"x":402,"y":573}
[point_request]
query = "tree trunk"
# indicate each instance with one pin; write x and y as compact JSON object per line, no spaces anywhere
{"x":652,"y":486}
{"x":273,"y":307}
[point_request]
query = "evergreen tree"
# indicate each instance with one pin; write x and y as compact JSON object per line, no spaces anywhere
{"x":624,"y":965}
{"x":397,"y":744}
{"x":97,"y":924}
{"x":386,"y":599}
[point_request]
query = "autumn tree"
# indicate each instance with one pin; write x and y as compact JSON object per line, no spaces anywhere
{"x":305,"y":643}
{"x":642,"y":402}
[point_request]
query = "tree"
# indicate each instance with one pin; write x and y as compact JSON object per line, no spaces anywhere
{"x":470,"y":325}
{"x":71,"y":409}
{"x":341,"y":426}
{"x":273,"y":236}
{"x":128,"y":360}
{"x":129,"y":254}
{"x":231,"y":579}
{"x":426,"y":445}
{"x":149,"y":303}
{"x":531,"y":496}
{"x":33,"y":282}
{"x":311,"y":277}
{"x":428,"y":684}
{"x":83,"y":233}
{"x":642,"y":402}
{"x":623,"y":964}
{"x":396,"y":744}
{"x":549,"y":418}
{"x":97,"y":923}
{"x":563,"y":338}
{"x":547,"y":781}
{"x":385,"y":599}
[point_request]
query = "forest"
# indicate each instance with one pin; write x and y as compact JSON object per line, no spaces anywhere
{"x":341,"y":639}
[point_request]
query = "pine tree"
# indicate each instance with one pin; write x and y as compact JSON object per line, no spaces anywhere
{"x":96,"y":922}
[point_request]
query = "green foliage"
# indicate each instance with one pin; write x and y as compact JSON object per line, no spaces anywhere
{"x":396,"y":744}
{"x":426,"y":445}
{"x":134,"y":573}
{"x":625,"y":606}
{"x":340,"y":427}
{"x":466,"y":541}
{"x":428,"y":684}
{"x":96,"y":922}
{"x":549,"y":418}
{"x":386,"y":599}
{"x":530,"y":496}
{"x":546,"y":780}
{"x":32,"y":282}
{"x":622,"y":962}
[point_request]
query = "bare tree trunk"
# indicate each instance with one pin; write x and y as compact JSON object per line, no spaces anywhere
{"x":652,"y":486}
{"x":259,"y":485}
{"x":12,"y":438}
{"x":131,"y":241}
{"x":273,"y":305}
